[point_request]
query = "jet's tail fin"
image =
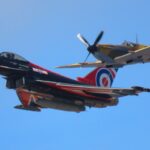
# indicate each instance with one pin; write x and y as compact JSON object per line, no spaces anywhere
{"x":101,"y":76}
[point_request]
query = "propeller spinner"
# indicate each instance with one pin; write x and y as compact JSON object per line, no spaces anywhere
{"x":91,"y":48}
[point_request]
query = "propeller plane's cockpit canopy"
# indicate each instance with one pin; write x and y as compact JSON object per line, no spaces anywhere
{"x":130,"y":44}
{"x":12,"y":56}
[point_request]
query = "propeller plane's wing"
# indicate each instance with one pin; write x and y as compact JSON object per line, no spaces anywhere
{"x":139,"y":56}
{"x":84,"y":64}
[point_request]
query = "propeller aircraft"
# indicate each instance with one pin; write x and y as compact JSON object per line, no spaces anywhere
{"x":39,"y":88}
{"x":110,"y":55}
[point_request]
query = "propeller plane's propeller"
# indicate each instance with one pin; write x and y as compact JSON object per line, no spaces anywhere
{"x":91,"y":48}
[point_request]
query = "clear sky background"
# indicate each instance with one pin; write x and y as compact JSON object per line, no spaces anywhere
{"x":45,"y":33}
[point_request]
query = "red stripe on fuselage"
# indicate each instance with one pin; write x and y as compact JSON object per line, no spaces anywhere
{"x":39,"y":67}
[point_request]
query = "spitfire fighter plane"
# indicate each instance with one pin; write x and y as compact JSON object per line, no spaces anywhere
{"x":109,"y":55}
{"x":39,"y":88}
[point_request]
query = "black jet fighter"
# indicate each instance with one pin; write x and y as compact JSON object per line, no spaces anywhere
{"x":39,"y":88}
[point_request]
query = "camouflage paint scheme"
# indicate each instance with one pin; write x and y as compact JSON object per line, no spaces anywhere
{"x":114,"y":51}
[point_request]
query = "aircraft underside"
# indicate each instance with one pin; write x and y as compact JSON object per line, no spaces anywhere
{"x":32,"y":100}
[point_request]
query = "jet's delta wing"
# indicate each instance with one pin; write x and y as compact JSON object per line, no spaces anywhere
{"x":91,"y":90}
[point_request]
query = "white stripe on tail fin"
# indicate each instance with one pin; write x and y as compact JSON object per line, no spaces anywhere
{"x":102,"y":77}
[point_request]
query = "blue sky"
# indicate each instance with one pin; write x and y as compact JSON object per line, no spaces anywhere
{"x":45,"y":33}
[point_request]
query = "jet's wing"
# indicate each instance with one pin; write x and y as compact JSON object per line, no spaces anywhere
{"x":138,"y":56}
{"x":113,"y":92}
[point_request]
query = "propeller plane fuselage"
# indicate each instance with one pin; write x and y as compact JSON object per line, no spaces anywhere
{"x":110,"y":55}
{"x":114,"y":51}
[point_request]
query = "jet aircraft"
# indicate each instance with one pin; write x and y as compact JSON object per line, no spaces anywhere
{"x":39,"y":88}
{"x":110,"y":55}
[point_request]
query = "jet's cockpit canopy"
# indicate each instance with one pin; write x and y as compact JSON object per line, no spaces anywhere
{"x":12,"y":56}
{"x":129,"y":44}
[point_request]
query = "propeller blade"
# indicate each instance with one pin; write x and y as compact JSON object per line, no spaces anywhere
{"x":99,"y":37}
{"x":87,"y":57}
{"x":83,"y":40}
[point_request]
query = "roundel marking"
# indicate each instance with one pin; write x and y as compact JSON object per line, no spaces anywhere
{"x":104,"y":77}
